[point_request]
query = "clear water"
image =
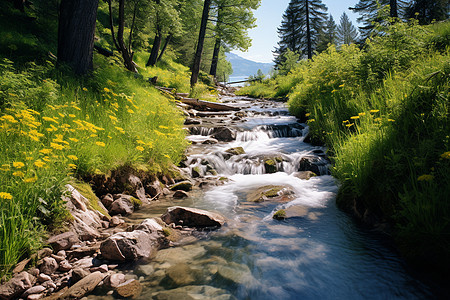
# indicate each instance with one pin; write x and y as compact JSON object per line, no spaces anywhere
{"x":320,"y":254}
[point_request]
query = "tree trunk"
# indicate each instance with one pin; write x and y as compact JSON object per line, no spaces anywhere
{"x":393,"y":10}
{"x":215,"y":59}
{"x":201,"y":40}
{"x":169,"y":37}
{"x":155,"y":49}
{"x":76,"y":30}
{"x":127,"y":55}
{"x":308,"y":31}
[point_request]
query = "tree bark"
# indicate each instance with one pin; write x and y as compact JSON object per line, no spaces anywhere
{"x":155,"y":48}
{"x":201,"y":40}
{"x":308,"y":31}
{"x":76,"y":30}
{"x":393,"y":10}
{"x":168,"y":38}
{"x":127,"y":55}
{"x":215,"y":58}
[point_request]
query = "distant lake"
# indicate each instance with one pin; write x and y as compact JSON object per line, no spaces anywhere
{"x":237,"y":78}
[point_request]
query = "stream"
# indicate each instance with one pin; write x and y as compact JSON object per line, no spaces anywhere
{"x":317,"y":252}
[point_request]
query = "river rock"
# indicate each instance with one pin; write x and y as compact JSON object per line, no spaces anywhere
{"x":150,"y":226}
{"x":271,"y":193}
{"x":137,"y":187}
{"x":84,"y":286}
{"x":180,"y":194}
{"x":192,"y":217}
{"x":64,"y":266}
{"x":192,"y":121}
{"x":183,"y":186}
{"x":270,"y":166}
{"x":314,"y":164}
{"x":154,"y":188}
{"x":16,"y":286}
{"x":122,"y":206}
{"x":224,"y":134}
{"x":35,"y":297}
{"x":305,"y":175}
{"x":236,"y":151}
{"x":62,"y":241}
{"x":129,"y":246}
{"x":78,"y":274}
{"x":235,"y":274}
{"x":33,"y":290}
{"x":210,"y":141}
{"x":107,"y":200}
{"x":114,"y":280}
{"x":43,"y":278}
{"x":180,"y":274}
{"x":49,"y":266}
{"x":129,"y":289}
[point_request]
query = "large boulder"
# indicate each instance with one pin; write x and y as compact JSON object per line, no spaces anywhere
{"x":16,"y":286}
{"x":192,"y":217}
{"x":63,"y":241}
{"x":271,"y":193}
{"x":129,"y":289}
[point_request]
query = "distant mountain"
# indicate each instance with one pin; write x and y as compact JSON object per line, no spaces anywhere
{"x":245,"y":67}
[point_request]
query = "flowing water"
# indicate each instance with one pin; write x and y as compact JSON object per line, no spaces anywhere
{"x":319,"y":253}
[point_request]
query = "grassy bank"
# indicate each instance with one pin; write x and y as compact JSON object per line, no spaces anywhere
{"x":384,"y":113}
{"x":55,"y":127}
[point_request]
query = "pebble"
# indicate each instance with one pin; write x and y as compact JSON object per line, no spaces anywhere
{"x":43,"y":277}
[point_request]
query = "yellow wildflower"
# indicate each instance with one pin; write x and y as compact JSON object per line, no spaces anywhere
{"x":101,"y":144}
{"x":30,"y":180}
{"x":9,"y":118}
{"x":72,"y":157}
{"x":48,"y":119}
{"x":120,"y":129}
{"x":354,"y":117}
{"x":425,"y":177}
{"x":374,"y":111}
{"x":47,"y":159}
{"x":6,"y":196}
{"x":163,"y":127}
{"x":377,"y":119}
{"x":446,"y":155}
{"x":311,"y":120}
{"x":73,"y":139}
{"x":106,"y":90}
{"x":72,"y":166}
{"x":56,"y":146}
{"x":342,"y":85}
{"x":46,"y":151}
{"x":39,"y":164}
{"x":18,"y":174}
{"x":391,"y":120}
{"x":307,"y":115}
{"x":349,"y":125}
{"x":140,"y":142}
{"x":140,"y":148}
{"x":72,"y":115}
{"x":85,"y":89}
{"x":18,"y":164}
{"x":362,"y":114}
{"x":130,"y":111}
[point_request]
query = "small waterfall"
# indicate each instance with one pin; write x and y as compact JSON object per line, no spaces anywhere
{"x":200,"y":130}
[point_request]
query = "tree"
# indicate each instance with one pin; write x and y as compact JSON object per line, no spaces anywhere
{"x":233,"y":19}
{"x":76,"y":30}
{"x":166,"y":21}
{"x":370,"y":12}
{"x":346,"y":32}
{"x":328,"y":35}
{"x":427,"y":11}
{"x":301,"y":26}
{"x":201,"y":39}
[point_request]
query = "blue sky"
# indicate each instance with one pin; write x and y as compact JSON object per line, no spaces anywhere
{"x":269,"y":15}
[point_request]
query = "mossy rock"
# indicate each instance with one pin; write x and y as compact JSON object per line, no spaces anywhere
{"x":236,"y":151}
{"x":264,"y":193}
{"x":280,"y":215}
{"x":196,"y":172}
{"x":270,"y":165}
{"x":94,"y":202}
{"x":136,"y":202}
{"x":182,"y":186}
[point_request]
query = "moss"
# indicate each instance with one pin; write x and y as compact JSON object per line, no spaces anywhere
{"x":86,"y":190}
{"x":270,"y":165}
{"x":280,"y":215}
{"x":273,"y":192}
{"x":236,"y":151}
{"x":167,"y":231}
{"x":136,"y":202}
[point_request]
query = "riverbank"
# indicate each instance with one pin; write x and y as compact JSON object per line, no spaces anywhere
{"x":383,"y":113}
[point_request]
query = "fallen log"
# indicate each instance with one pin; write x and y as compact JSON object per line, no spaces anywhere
{"x":206,"y":105}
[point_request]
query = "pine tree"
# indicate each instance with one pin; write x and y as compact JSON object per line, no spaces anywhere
{"x":369,"y":11}
{"x":328,"y":35}
{"x":300,"y":28}
{"x":427,"y":11}
{"x":346,"y":32}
